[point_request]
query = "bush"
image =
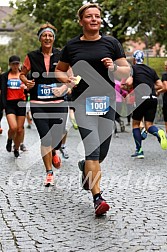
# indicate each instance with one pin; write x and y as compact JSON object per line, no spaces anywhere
{"x":157,"y":63}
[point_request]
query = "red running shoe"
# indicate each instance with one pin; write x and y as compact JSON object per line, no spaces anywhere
{"x":56,"y":161}
{"x":101,"y":206}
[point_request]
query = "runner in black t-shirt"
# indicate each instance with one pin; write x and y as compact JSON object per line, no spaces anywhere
{"x":92,"y":55}
{"x":164,"y":97}
{"x":143,"y":74}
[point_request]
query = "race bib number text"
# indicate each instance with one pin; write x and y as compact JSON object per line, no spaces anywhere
{"x":97,"y":105}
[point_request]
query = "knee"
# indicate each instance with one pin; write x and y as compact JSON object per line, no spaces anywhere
{"x":20,"y":130}
{"x":46,"y":141}
{"x":148,"y":125}
{"x":13,"y":129}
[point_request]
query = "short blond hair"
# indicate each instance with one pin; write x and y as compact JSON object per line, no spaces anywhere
{"x":86,"y":6}
{"x":165,"y":63}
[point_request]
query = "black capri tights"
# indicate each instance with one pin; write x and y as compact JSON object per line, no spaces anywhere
{"x":50,"y":123}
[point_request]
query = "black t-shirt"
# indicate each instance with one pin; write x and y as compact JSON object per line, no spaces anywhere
{"x":91,"y":52}
{"x":143,"y":74}
{"x":164,"y":78}
{"x":0,"y":81}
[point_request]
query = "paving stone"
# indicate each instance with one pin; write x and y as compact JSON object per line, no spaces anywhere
{"x":61,"y":218}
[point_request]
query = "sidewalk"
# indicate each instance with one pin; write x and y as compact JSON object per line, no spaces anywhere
{"x":61,"y":218}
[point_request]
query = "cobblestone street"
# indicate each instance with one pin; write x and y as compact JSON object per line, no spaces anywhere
{"x":61,"y":218}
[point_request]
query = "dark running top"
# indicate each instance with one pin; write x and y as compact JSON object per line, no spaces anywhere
{"x":164,"y":78}
{"x":91,"y":52}
{"x":38,"y":72}
{"x":143,"y":74}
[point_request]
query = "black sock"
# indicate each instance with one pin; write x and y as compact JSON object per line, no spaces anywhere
{"x":96,"y":196}
{"x":49,"y":172}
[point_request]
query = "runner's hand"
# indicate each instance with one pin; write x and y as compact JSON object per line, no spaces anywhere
{"x":30,"y":84}
{"x":73,"y":81}
{"x":59,"y":91}
{"x":108,"y":63}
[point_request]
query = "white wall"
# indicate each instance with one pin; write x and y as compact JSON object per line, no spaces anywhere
{"x":4,"y":39}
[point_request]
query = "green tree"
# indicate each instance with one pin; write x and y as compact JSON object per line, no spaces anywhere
{"x":25,"y":36}
{"x":62,"y":14}
{"x":143,"y":17}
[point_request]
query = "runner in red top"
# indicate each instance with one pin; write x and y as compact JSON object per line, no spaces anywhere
{"x":12,"y":94}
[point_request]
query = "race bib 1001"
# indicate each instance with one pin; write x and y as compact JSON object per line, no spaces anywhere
{"x":45,"y":91}
{"x":97,"y":105}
